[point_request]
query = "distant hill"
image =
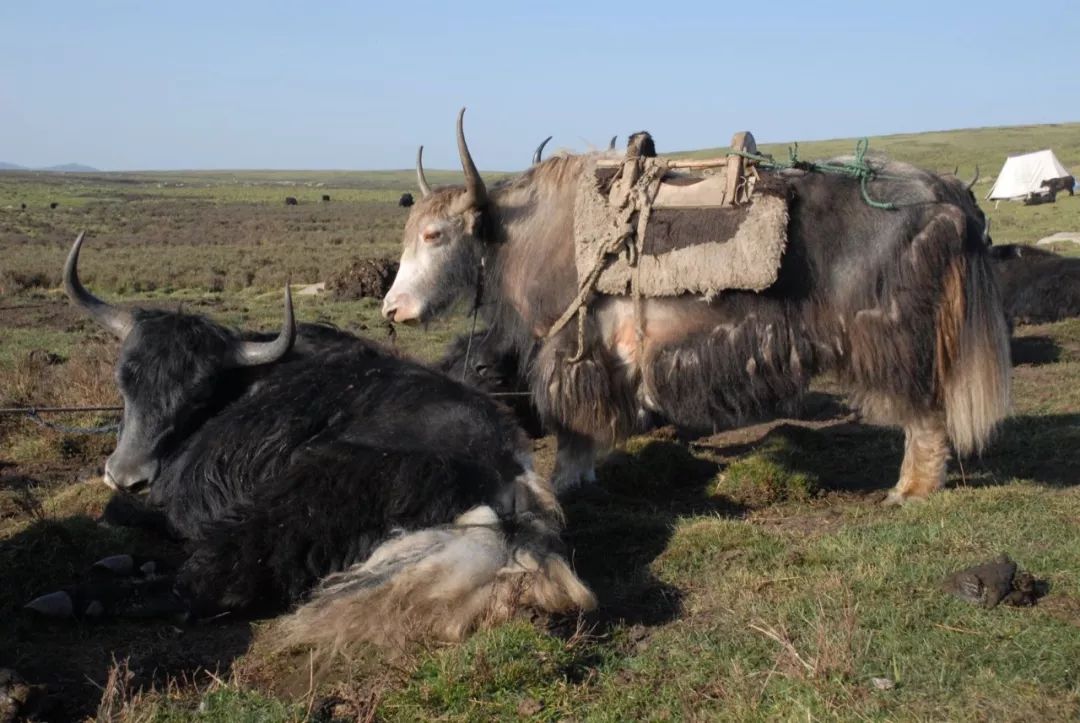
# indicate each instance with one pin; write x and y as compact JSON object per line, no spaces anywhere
{"x":71,"y":168}
{"x":63,"y":168}
{"x":967,"y":148}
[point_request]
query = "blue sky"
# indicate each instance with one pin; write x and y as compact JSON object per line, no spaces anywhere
{"x":120,"y":84}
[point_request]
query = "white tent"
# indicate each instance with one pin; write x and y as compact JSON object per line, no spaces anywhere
{"x":1025,"y":174}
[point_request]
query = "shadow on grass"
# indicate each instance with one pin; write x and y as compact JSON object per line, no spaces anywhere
{"x":1035,"y":350}
{"x":620,"y":525}
{"x":852,"y":457}
{"x":72,"y":657}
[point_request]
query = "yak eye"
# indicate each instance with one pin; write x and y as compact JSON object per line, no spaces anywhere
{"x":431,"y":235}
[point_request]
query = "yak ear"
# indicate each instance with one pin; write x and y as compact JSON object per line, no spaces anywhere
{"x":473,"y":219}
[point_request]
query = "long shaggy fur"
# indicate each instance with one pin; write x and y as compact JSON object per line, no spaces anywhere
{"x":441,"y":583}
{"x":898,"y":303}
{"x":342,"y":458}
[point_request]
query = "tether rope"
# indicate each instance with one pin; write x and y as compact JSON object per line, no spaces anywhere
{"x":34,"y":414}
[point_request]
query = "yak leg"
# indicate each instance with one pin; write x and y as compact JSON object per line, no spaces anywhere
{"x":926,"y":450}
{"x":575,"y":461}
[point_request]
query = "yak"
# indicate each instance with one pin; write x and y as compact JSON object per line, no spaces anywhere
{"x":900,"y":304}
{"x":1037,"y":286}
{"x":406,"y":200}
{"x":1056,"y":185}
{"x":326,"y":198}
{"x":316,"y":463}
{"x":291,"y":201}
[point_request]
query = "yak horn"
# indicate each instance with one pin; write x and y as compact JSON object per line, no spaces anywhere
{"x":611,"y":144}
{"x":956,"y":170}
{"x":425,"y":189}
{"x":971,"y":183}
{"x":986,"y":231}
{"x":255,"y":353}
{"x":118,"y":321}
{"x":540,"y":150}
{"x":474,"y":185}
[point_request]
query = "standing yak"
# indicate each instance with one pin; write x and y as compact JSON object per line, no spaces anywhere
{"x":900,"y":304}
{"x":318,"y":460}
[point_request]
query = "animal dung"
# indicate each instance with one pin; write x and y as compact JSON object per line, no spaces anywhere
{"x":990,"y":583}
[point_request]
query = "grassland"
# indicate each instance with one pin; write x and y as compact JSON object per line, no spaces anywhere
{"x":746,"y":576}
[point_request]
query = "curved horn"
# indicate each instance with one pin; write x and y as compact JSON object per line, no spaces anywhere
{"x":971,"y":183}
{"x":986,"y":231}
{"x":540,"y":150}
{"x":425,"y":189}
{"x":611,"y":145}
{"x":255,"y":353}
{"x":118,"y":321}
{"x":474,"y":185}
{"x":956,"y":170}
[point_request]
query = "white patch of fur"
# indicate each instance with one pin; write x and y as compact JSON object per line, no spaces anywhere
{"x":439,"y":583}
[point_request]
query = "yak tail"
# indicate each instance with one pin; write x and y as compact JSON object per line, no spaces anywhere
{"x":440,"y":583}
{"x":973,"y":364}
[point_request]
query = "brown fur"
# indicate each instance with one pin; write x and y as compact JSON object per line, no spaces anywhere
{"x":900,"y":304}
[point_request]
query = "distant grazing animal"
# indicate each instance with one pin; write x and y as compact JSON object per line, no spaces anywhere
{"x":1037,"y":286}
{"x":54,"y":204}
{"x":319,"y":460}
{"x":22,"y":206}
{"x":1056,"y":185}
{"x":291,"y":201}
{"x":325,"y":197}
{"x":900,"y":304}
{"x":406,"y":200}
{"x":494,"y":370}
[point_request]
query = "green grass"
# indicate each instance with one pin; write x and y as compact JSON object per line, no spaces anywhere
{"x":747,"y":580}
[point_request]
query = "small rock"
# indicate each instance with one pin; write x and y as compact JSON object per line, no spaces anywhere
{"x":117,"y":564}
{"x":882,"y":683}
{"x":53,"y":605}
{"x":94,"y":610}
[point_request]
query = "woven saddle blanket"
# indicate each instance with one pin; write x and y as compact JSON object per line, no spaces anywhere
{"x":646,"y":228}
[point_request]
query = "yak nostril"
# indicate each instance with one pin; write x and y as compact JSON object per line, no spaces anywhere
{"x":137,"y":486}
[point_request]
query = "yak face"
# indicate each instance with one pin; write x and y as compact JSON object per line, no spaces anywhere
{"x":442,"y":244}
{"x":439,"y":259}
{"x":173,"y":373}
{"x":170,"y":373}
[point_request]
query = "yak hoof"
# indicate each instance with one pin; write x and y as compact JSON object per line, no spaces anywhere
{"x":53,"y":605}
{"x":895,"y":498}
{"x":123,"y":565}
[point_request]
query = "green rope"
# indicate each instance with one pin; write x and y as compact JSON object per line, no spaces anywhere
{"x":858,"y":168}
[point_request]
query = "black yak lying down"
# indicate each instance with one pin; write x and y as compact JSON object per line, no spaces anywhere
{"x":1037,"y":286}
{"x":495,"y":369}
{"x":318,"y":461}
